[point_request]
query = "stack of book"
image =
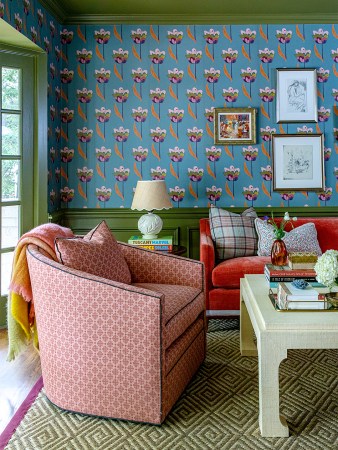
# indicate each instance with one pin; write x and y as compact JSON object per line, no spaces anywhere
{"x":302,"y":260}
{"x":164,"y":243}
{"x":278,"y":274}
{"x":289,"y":297}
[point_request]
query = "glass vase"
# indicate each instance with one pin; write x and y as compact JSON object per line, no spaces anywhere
{"x":279,"y":253}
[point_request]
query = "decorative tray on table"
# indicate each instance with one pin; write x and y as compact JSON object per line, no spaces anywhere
{"x":324,"y":304}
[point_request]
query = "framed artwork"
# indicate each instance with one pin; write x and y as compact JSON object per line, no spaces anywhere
{"x":296,"y":95}
{"x":298,"y":162}
{"x":234,"y":126}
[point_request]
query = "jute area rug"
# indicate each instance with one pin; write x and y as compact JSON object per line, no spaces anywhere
{"x":219,"y":409}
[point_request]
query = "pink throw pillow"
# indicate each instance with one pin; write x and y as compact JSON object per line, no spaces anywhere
{"x":97,"y":253}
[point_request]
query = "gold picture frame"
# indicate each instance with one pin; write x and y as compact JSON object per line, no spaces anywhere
{"x":234,"y":126}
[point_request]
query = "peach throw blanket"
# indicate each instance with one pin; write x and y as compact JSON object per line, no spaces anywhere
{"x":21,"y":319}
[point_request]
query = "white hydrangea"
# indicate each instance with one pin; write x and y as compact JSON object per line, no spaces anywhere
{"x":326,"y":268}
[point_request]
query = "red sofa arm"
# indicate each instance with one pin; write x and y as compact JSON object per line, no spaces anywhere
{"x":207,"y":252}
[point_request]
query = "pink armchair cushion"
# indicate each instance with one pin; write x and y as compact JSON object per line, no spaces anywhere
{"x":97,"y":253}
{"x":300,"y":239}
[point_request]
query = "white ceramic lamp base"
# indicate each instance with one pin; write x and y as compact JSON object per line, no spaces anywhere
{"x":150,"y":225}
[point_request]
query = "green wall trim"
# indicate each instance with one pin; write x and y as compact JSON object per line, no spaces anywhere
{"x":198,"y":19}
{"x":182,"y":223}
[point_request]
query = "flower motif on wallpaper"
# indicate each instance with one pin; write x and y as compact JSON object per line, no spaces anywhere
{"x":231,"y":174}
{"x":121,"y":175}
{"x":46,"y":44}
{"x":120,"y":96}
{"x":335,"y":172}
{"x":84,"y":96}
{"x":209,"y":114}
{"x":176,"y":116}
{"x":194,"y":96}
{"x":139,"y":37}
{"x":84,"y":56}
{"x":157,"y":57}
{"x":52,"y":27}
{"x":66,"y":36}
{"x":57,"y":174}
{"x":120,"y":56}
{"x":85,"y":175}
{"x":335,"y":133}
{"x":195,"y":135}
{"x":211,"y":37}
{"x":140,"y":154}
{"x":2,"y":10}
{"x":57,"y":52}
{"x":323,"y":115}
{"x":251,"y":193}
{"x":322,"y":77}
{"x":52,"y":112}
{"x":267,"y":95}
{"x":248,"y":36}
{"x":230,"y":57}
{"x":176,"y":155}
{"x":66,"y":76}
{"x":102,"y":75}
{"x":66,"y":115}
{"x":249,"y":76}
{"x":26,"y":8}
{"x":230,"y":95}
{"x":139,"y":76}
{"x":84,"y":135}
{"x":287,"y":196}
{"x":101,"y":37}
{"x":52,"y":153}
{"x":103,"y":194}
{"x":67,"y":155}
{"x":157,"y":96}
{"x":266,"y":174}
{"x":213,"y":155}
{"x":139,"y":115}
{"x":103,"y":154}
{"x":157,"y":135}
{"x":284,"y":37}
{"x":175,"y":38}
{"x":303,"y":55}
{"x":120,"y":135}
{"x":266,"y":56}
{"x":34,"y":34}
{"x":57,"y":93}
{"x":18,"y":22}
{"x":194,"y":57}
{"x":195,"y":175}
{"x":214,"y":194}
{"x":250,"y":154}
{"x":102,"y":116}
{"x":212,"y":76}
{"x":57,"y":133}
{"x":52,"y":196}
{"x":175,"y":77}
{"x":158,"y":173}
{"x":66,"y":194}
{"x":327,"y":153}
{"x":40,"y":16}
{"x":325,"y":195}
{"x":334,"y":55}
{"x":335,"y":94}
{"x":320,"y":36}
{"x":177,"y":194}
{"x":52,"y":71}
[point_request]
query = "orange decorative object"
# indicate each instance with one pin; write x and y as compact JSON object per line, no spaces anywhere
{"x":279,"y":253}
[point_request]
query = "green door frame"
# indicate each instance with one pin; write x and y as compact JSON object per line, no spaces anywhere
{"x":40,"y":144}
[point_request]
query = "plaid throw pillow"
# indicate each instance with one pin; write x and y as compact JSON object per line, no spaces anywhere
{"x":234,"y":235}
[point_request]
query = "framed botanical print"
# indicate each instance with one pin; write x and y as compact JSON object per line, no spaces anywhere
{"x":234,"y":126}
{"x":296,"y":95}
{"x":298,"y":162}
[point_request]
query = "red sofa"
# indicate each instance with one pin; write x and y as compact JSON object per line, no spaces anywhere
{"x":222,"y":277}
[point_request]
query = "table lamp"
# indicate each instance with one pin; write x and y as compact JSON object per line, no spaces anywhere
{"x":150,"y":195}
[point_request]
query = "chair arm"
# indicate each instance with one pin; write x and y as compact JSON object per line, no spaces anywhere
{"x":147,"y":266}
{"x":207,"y":256}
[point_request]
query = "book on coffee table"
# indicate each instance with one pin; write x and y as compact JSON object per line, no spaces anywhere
{"x":290,"y":297}
{"x":276,"y":274}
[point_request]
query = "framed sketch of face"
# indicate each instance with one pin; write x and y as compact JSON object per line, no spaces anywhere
{"x":298,"y":162}
{"x":296,"y":95}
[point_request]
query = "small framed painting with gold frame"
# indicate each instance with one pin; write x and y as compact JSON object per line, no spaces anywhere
{"x":234,"y":126}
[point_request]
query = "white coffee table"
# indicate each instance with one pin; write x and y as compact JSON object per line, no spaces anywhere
{"x":276,"y":332}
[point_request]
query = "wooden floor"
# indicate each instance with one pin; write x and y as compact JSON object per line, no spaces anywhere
{"x":16,"y":379}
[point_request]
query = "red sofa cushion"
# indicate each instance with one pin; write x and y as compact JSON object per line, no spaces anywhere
{"x":228,"y":273}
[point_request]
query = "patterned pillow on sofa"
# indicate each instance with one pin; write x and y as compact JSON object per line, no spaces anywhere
{"x":299,"y":239}
{"x":234,"y":235}
{"x":97,"y":253}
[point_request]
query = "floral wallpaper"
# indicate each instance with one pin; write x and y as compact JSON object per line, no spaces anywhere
{"x":130,"y":102}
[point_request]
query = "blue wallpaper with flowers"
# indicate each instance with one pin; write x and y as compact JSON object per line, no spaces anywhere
{"x":130,"y":102}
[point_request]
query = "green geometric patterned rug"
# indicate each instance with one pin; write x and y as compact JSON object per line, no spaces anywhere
{"x":219,"y":409}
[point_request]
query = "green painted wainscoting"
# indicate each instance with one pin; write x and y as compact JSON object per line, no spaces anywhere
{"x":182,"y":223}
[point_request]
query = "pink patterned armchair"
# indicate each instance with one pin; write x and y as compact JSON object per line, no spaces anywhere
{"x":125,"y":351}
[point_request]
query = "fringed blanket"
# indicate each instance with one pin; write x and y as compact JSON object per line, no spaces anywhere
{"x":21,"y":318}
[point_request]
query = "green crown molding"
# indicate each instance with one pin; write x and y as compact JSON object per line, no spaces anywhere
{"x":67,"y":18}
